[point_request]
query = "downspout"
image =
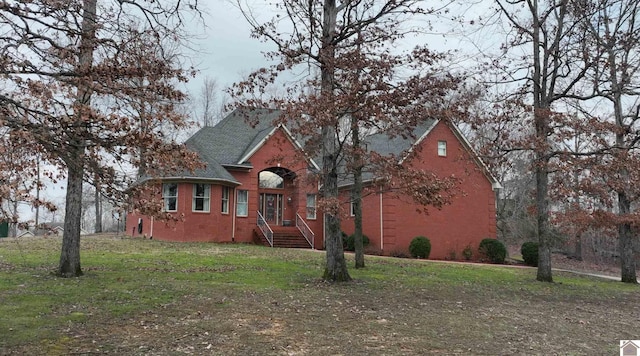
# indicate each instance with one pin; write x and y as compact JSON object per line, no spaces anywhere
{"x":233,"y":214}
{"x":151,"y":228}
{"x":324,"y":231}
{"x":381,"y":225}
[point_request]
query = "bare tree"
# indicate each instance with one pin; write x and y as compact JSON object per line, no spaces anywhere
{"x":549,"y":33}
{"x":613,"y":39}
{"x":211,"y":109}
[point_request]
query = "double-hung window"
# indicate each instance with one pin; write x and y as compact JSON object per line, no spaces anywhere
{"x":442,"y":148}
{"x":225,"y":200}
{"x":170,"y":196}
{"x":201,"y":197}
{"x":242,"y":203}
{"x":311,"y":206}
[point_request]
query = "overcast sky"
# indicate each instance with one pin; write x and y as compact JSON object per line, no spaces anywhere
{"x":227,"y":53}
{"x":225,"y":50}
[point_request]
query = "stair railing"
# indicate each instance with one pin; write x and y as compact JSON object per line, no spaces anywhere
{"x":305,"y":230}
{"x":266,"y":230}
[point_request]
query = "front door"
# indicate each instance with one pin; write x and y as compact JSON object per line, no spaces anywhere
{"x":271,"y":208}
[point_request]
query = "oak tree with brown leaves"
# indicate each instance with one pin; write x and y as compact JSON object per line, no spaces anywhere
{"x":71,"y":73}
{"x":355,"y":84}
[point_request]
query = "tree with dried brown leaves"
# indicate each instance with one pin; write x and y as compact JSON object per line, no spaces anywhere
{"x":355,"y":84}
{"x":72,"y":71}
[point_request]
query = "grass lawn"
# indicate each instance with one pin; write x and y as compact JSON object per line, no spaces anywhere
{"x":149,"y":297}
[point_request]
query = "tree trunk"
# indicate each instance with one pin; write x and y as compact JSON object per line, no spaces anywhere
{"x":14,"y":224}
{"x":75,"y":156}
{"x":37,"y":218}
{"x":336,"y":268}
{"x":577,"y":252}
{"x":578,"y":247}
{"x":625,"y":242}
{"x":542,"y":207}
{"x":70,"y":257}
{"x":98,"y":206}
{"x":356,"y":195}
{"x":541,"y":113}
{"x":625,"y":238}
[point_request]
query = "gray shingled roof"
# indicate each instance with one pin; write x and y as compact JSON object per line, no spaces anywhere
{"x":238,"y":134}
{"x":385,"y":146}
{"x":230,"y":140}
{"x":233,"y":137}
{"x":213,"y":169}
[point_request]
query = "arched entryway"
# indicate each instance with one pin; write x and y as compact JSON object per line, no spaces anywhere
{"x":277,"y":202}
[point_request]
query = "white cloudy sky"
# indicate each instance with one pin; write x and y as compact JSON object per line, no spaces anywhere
{"x":226,"y":52}
{"x":223,"y":48}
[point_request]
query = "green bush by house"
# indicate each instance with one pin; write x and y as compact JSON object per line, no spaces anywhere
{"x":467,"y":253}
{"x":494,"y":250}
{"x":349,"y":243}
{"x":420,"y":247}
{"x":529,"y":252}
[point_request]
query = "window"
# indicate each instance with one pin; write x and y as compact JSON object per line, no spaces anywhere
{"x":270,"y":180}
{"x":442,"y":148}
{"x":353,"y":208}
{"x":201,"y":194}
{"x":170,"y":196}
{"x":225,"y":200}
{"x":242,"y":203}
{"x":311,"y":206}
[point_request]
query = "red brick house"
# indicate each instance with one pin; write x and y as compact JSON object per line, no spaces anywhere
{"x":255,"y":185}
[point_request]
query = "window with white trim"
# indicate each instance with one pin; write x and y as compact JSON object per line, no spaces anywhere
{"x":353,"y":207}
{"x":442,"y":148}
{"x":170,"y":196}
{"x":225,"y":200}
{"x":242,"y":203}
{"x":201,"y":197}
{"x":311,"y":206}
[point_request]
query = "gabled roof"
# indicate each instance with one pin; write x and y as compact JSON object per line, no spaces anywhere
{"x":385,"y":146}
{"x":235,"y":136}
{"x":232,"y":142}
{"x":396,"y":146}
{"x":400,"y":147}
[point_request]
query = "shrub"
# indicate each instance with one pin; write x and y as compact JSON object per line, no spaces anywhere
{"x":349,"y":243}
{"x":398,"y":253}
{"x":467,"y":253}
{"x":420,"y":247}
{"x":494,"y":250}
{"x":372,"y":250}
{"x":529,"y":252}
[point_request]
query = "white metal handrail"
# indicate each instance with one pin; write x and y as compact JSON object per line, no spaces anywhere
{"x":266,"y":230}
{"x":305,"y":230}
